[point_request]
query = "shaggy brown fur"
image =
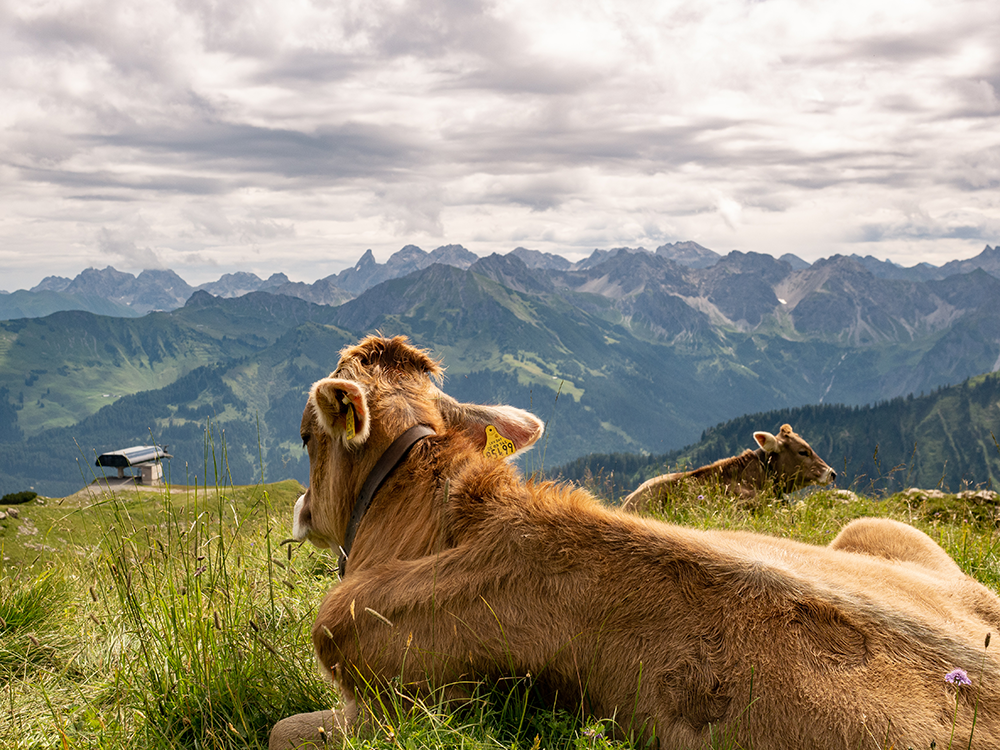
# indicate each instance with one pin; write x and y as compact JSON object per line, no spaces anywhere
{"x":463,"y":571}
{"x":783,"y":463}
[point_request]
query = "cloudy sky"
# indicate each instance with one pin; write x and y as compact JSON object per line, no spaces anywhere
{"x":291,"y":135}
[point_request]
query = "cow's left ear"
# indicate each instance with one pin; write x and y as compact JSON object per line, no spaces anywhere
{"x":341,"y":409}
{"x":767,"y":441}
{"x":495,"y":430}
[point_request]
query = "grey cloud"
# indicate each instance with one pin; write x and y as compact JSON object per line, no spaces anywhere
{"x":101,"y":197}
{"x":979,"y":170}
{"x":979,"y":100}
{"x":312,"y":66}
{"x":924,"y":230}
{"x":93,"y":29}
{"x":409,"y":208}
{"x":432,"y":28}
{"x":482,"y":53}
{"x":117,"y":244}
{"x":546,"y":144}
{"x":336,"y":152}
{"x":872,"y":48}
{"x":213,"y":221}
{"x":440,"y":111}
{"x":234,"y":27}
{"x":263,"y":229}
{"x":904,"y":48}
{"x":538,"y":193}
{"x":106,"y":179}
{"x":903,"y":102}
{"x":525,"y":78}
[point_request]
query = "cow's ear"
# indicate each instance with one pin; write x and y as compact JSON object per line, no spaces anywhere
{"x":767,"y":441}
{"x":341,"y":409}
{"x":495,"y":430}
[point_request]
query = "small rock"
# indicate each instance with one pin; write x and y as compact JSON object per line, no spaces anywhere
{"x":979,"y":496}
{"x":845,"y":496}
{"x":915,"y":492}
{"x":13,"y":512}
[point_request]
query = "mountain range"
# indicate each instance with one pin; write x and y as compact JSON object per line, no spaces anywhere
{"x":113,"y":292}
{"x":625,"y":351}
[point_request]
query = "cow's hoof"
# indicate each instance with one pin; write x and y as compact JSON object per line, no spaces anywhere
{"x":313,"y":730}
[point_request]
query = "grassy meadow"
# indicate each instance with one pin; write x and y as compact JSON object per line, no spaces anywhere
{"x":176,"y":617}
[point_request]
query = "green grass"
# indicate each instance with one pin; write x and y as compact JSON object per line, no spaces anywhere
{"x":176,"y":618}
{"x":170,"y":618}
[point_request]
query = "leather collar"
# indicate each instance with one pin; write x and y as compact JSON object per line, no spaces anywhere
{"x":385,"y":465}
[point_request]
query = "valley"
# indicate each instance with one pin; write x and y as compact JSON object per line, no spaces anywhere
{"x":628,"y":351}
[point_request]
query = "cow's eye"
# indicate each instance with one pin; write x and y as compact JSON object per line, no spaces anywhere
{"x":305,"y":439}
{"x":803,"y":453}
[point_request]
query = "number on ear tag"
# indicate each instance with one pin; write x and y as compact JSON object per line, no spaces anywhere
{"x":497,"y":445}
{"x":350,"y":422}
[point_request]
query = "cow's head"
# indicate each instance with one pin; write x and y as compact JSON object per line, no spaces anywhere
{"x":793,"y":461}
{"x":381,"y":388}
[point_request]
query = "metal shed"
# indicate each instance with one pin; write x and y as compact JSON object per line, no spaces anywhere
{"x":147,"y":458}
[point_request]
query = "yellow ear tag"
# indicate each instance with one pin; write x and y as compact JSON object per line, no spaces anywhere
{"x":350,"y":422}
{"x":497,"y":445}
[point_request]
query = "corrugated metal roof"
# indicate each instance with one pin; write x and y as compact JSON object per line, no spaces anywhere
{"x":137,"y":454}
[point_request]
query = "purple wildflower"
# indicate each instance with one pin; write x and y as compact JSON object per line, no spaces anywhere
{"x":701,"y":497}
{"x":958,"y":678}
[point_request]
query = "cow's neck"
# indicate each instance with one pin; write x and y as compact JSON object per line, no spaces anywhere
{"x":769,"y":473}
{"x":755,"y":467}
{"x":425,"y":506}
{"x":386,"y":464}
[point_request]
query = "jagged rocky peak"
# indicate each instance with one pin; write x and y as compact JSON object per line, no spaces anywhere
{"x":794,"y":261}
{"x":453,"y":255}
{"x":408,"y":254}
{"x":887,"y":269}
{"x":106,"y":282}
{"x":233,"y":284}
{"x":158,"y":289}
{"x":601,"y":256}
{"x":165,"y":279}
{"x":366,"y":261}
{"x":988,"y":260}
{"x":538,"y":259}
{"x":689,"y":254}
{"x":512,"y":272}
{"x":841,"y":263}
{"x":52,"y":284}
{"x":622,"y":272}
{"x":322,"y":292}
{"x":154,"y":289}
{"x":769,"y":268}
{"x":273,"y":281}
{"x":967,"y":290}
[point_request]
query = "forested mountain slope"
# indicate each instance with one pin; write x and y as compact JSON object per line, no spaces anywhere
{"x":631,"y":352}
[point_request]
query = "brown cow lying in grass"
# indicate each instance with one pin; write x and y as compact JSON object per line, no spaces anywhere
{"x":461,"y":571}
{"x":783,"y":463}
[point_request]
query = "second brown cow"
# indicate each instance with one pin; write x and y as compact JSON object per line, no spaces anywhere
{"x":783,"y":463}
